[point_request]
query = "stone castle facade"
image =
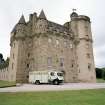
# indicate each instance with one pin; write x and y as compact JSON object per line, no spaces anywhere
{"x":40,"y":44}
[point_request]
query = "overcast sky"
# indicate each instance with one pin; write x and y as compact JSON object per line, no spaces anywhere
{"x":57,"y":11}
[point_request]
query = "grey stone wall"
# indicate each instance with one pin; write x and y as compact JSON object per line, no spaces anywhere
{"x":4,"y":74}
{"x":40,"y":44}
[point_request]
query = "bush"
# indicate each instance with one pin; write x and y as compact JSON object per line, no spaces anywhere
{"x":99,"y":73}
{"x":103,"y":74}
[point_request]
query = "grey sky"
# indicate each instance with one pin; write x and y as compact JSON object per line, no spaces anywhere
{"x":57,"y":11}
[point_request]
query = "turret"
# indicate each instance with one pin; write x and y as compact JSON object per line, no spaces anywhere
{"x":17,"y":50}
{"x":73,"y":23}
{"x":42,"y":23}
{"x":81,"y":28}
{"x":20,"y":29}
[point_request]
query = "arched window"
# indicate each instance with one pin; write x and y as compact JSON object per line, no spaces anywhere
{"x":49,"y":61}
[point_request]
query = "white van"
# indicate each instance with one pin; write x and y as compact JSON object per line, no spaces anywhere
{"x":53,"y":77}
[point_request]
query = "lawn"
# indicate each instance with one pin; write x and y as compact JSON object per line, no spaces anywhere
{"x":100,"y":80}
{"x":6,"y":83}
{"x":75,"y":97}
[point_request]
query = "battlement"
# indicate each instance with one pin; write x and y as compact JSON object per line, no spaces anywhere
{"x":81,"y":17}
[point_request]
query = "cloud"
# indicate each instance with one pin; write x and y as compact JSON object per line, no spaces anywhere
{"x":57,"y":11}
{"x":99,"y":56}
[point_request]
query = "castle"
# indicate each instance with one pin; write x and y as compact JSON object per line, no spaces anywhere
{"x":40,"y":44}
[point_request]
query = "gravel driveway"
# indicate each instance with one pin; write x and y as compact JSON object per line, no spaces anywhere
{"x":47,"y":87}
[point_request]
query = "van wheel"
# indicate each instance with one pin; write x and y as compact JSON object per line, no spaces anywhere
{"x":37,"y":82}
{"x":56,"y":82}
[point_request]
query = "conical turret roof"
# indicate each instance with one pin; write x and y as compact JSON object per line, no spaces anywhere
{"x":14,"y":29}
{"x":22,"y":20}
{"x":42,"y":15}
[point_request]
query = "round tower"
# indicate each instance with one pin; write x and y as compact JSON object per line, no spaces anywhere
{"x":17,"y":52}
{"x":81,"y":27}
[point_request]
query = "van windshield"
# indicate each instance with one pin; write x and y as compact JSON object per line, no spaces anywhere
{"x":60,"y":74}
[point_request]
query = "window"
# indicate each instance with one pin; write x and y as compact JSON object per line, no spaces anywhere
{"x":52,"y":74}
{"x":88,"y":55}
{"x":72,"y":65}
{"x":89,"y":66}
{"x":61,"y":62}
{"x":28,"y":54}
{"x":49,"y":61}
{"x":27,"y":76}
{"x":87,"y":36}
{"x":60,"y":74}
{"x":28,"y":65}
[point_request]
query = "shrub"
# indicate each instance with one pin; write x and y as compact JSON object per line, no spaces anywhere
{"x":103,"y":74}
{"x":99,"y":72}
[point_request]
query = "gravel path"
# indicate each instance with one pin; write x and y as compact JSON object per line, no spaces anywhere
{"x":47,"y":87}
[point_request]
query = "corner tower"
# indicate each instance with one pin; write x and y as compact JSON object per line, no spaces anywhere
{"x":17,"y":53}
{"x":81,"y":28}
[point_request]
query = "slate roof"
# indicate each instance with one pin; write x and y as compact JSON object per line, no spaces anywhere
{"x":57,"y":26}
{"x":22,"y":20}
{"x":42,"y":15}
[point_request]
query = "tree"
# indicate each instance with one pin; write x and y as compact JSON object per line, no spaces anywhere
{"x":103,"y":73}
{"x":99,"y":72}
{"x":7,"y":61}
{"x":1,"y":56}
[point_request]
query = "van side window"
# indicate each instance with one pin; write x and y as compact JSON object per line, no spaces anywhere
{"x":52,"y":74}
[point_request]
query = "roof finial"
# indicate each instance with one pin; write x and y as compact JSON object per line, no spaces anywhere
{"x":74,"y":14}
{"x":74,"y":9}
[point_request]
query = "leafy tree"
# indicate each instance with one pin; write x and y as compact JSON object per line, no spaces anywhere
{"x":103,"y":73}
{"x":1,"y":56}
{"x":3,"y":63}
{"x":99,"y":72}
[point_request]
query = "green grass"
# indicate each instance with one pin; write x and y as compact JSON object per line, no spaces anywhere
{"x":77,"y":97}
{"x":6,"y":83}
{"x":100,"y":81}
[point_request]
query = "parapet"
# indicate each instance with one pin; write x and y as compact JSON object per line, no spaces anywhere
{"x":81,"y":17}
